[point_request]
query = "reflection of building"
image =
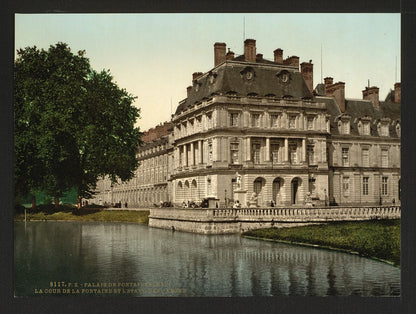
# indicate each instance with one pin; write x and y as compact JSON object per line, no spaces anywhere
{"x":263,"y":120}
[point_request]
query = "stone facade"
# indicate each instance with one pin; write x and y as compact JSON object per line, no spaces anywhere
{"x":256,"y":131}
{"x":150,"y":184}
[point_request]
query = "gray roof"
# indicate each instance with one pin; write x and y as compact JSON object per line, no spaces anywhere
{"x":230,"y":78}
{"x":357,"y":108}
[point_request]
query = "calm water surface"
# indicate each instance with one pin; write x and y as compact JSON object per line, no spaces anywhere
{"x":141,"y":261}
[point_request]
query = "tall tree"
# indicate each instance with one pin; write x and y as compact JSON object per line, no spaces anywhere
{"x":72,"y":124}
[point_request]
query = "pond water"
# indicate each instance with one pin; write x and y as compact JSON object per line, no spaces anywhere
{"x":81,"y":258}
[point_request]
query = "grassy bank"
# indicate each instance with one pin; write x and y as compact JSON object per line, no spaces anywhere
{"x":375,"y":238}
{"x":83,"y":214}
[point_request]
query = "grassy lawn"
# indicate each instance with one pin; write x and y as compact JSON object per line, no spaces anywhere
{"x":374,"y":238}
{"x":84,"y":214}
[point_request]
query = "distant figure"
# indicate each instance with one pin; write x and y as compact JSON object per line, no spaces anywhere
{"x":183,"y":204}
{"x":393,"y":201}
{"x":237,"y":204}
{"x":271,"y":203}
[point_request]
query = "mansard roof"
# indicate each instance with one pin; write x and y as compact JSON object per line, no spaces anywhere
{"x":230,"y":77}
{"x":357,"y":108}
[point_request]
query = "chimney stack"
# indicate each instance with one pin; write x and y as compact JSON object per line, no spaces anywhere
{"x":337,"y":91}
{"x":292,"y":61}
{"x":278,"y":56}
{"x":188,"y":91}
{"x":397,"y":93}
{"x":328,"y":81}
{"x":230,"y":55}
{"x":371,"y":93}
{"x":306,"y":69}
{"x":219,"y":53}
{"x":195,"y":75}
{"x":250,"y":50}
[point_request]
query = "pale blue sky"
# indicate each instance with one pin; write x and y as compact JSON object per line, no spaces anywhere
{"x":153,"y":56}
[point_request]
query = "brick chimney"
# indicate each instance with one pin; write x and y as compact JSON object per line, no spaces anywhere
{"x":230,"y":55}
{"x":219,"y":53}
{"x":278,"y":56}
{"x":292,"y":61}
{"x":337,"y":91}
{"x":371,"y":93}
{"x":397,"y":93}
{"x":306,"y":69}
{"x":195,"y":75}
{"x":250,"y":50}
{"x":188,"y":91}
{"x":328,"y":82}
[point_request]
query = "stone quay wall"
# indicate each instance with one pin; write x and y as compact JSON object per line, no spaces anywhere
{"x":223,"y":221}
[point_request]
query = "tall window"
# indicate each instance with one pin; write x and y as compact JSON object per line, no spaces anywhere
{"x":310,"y":123}
{"x":384,"y":190}
{"x":365,"y":157}
{"x":345,"y":156}
{"x":384,"y":158}
{"x":256,"y":153}
{"x":292,"y":153}
{"x":365,"y":185}
{"x":346,"y":127}
{"x":210,"y":151}
{"x":255,"y":120}
{"x":274,"y":148}
{"x":311,"y":155}
{"x":234,"y":119}
{"x":384,"y":130}
{"x":292,"y":122}
{"x":209,"y":121}
{"x":366,"y":128}
{"x":346,"y":185}
{"x":234,"y":153}
{"x":274,"y":123}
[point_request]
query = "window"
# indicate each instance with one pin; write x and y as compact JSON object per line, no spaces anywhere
{"x":311,"y":155}
{"x":274,"y":121}
{"x":274,"y":148}
{"x":384,"y":130}
{"x":365,"y":185}
{"x":292,"y":153}
{"x":365,"y":157}
{"x":292,"y":122}
{"x":210,"y":151}
{"x":345,"y":127}
{"x":209,"y":120}
{"x":255,"y":120}
{"x":384,"y":185}
{"x":384,"y":158}
{"x":256,"y":153}
{"x":234,"y":119}
{"x":346,"y":185}
{"x":234,"y":153}
{"x":310,"y":123}
{"x":366,"y":128}
{"x":345,"y":156}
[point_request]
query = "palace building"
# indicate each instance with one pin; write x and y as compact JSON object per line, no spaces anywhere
{"x":257,"y":131}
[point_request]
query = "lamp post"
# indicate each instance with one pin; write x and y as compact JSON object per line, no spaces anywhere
{"x":326,"y":204}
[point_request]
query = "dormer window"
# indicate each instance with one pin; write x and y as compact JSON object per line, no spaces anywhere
{"x":398,"y":129}
{"x":366,"y":128}
{"x":344,"y":124}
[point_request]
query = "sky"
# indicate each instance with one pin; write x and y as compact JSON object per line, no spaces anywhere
{"x":153,"y":56}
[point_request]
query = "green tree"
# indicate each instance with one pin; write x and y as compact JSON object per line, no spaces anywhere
{"x":73,"y":125}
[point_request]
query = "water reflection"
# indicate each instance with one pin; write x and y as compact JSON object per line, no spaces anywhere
{"x":218,"y":265}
